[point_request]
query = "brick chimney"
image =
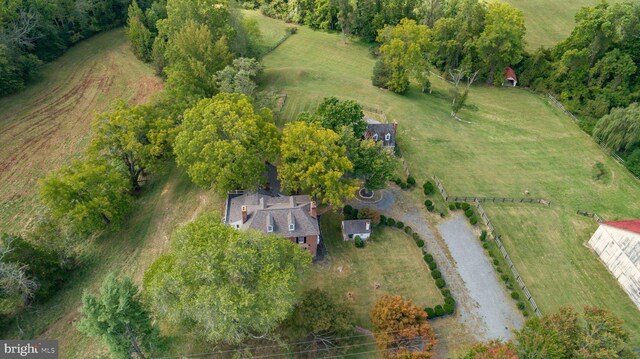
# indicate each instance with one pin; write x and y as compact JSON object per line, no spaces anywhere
{"x":244,"y":214}
{"x":395,"y":126}
{"x":313,"y":210}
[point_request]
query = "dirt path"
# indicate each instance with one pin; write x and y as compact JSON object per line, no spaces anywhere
{"x":474,"y":318}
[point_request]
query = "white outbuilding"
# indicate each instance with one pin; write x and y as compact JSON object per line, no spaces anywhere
{"x":618,"y":245}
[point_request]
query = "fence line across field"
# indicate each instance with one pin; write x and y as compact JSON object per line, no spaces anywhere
{"x":496,"y":237}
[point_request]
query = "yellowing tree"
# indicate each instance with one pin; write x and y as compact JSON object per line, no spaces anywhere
{"x":313,"y":161}
{"x":224,"y":143}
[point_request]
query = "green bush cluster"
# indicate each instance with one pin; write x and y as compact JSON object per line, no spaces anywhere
{"x":439,"y":310}
{"x":420,"y":243}
{"x":411,"y":181}
{"x":383,"y":220}
{"x":515,"y":295}
{"x":440,"y":283}
{"x":458,"y":205}
{"x":483,"y":236}
{"x":400,"y":224}
{"x":452,"y":206}
{"x":408,"y":230}
{"x":465,"y":206}
{"x":391,"y":222}
{"x":473,"y":220}
{"x":433,"y":265}
{"x":428,"y":203}
{"x":428,"y":258}
{"x":436,"y":274}
{"x":359,"y":243}
{"x":416,"y":236}
{"x":468,"y":213}
{"x":428,"y":188}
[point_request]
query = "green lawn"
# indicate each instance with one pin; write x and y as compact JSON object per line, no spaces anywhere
{"x":48,"y":124}
{"x":271,"y":30}
{"x":516,"y":141}
{"x":389,"y":263}
{"x":549,"y":21}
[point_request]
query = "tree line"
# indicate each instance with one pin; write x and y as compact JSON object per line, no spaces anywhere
{"x":35,"y":32}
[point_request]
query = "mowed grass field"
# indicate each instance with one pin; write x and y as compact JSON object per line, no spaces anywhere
{"x":549,"y":21}
{"x":48,"y":124}
{"x":516,"y":141}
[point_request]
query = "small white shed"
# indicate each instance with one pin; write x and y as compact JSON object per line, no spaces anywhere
{"x":618,"y":245}
{"x":356,"y":227}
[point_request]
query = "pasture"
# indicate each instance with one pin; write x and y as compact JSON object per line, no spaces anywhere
{"x":48,"y":124}
{"x":515,"y":141}
{"x":549,"y":21}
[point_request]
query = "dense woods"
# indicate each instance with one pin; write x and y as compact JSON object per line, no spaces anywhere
{"x":34,"y":32}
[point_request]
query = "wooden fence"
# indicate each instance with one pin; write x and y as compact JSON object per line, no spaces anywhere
{"x":495,"y":236}
{"x":561,"y":106}
{"x":592,"y":215}
{"x":448,"y":198}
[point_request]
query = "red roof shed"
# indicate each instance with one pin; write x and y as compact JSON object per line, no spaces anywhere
{"x":511,"y":78}
{"x":632,"y":225}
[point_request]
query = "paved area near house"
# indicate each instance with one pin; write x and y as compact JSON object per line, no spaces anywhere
{"x":495,"y":305}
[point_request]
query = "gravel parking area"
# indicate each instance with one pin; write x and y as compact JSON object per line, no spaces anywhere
{"x":494,"y":304}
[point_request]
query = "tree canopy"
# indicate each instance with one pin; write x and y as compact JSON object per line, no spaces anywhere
{"x":86,"y":196}
{"x":313,"y":161}
{"x":228,"y":285}
{"x":334,"y":114}
{"x":119,"y":318}
{"x":401,"y":329}
{"x":136,"y":136}
{"x":373,"y":164}
{"x":620,"y":129}
{"x":224,"y":143}
{"x":317,"y":314}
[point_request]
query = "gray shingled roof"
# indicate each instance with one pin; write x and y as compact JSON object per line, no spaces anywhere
{"x":264,"y":210}
{"x":379,"y":130}
{"x":356,"y":226}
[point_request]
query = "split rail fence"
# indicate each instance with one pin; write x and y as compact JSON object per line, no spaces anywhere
{"x":496,"y":237}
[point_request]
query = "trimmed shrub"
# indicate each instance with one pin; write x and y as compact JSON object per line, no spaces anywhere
{"x":439,"y":311}
{"x":504,"y":277}
{"x":430,"y":312}
{"x":354,"y":213}
{"x":404,"y":185}
{"x":442,"y":214}
{"x":450,"y":300}
{"x":407,"y":230}
{"x":496,"y":262}
{"x":383,"y":220}
{"x":515,"y":295}
{"x":416,"y":236}
{"x":452,"y":206}
{"x":391,"y":222}
{"x":428,"y":203}
{"x":483,"y":235}
{"x":448,"y":308}
{"x":436,"y":274}
{"x":398,"y":181}
{"x":440,"y":283}
{"x":485,"y":245}
{"x":525,"y":313}
{"x":400,"y":224}
{"x":468,"y":213}
{"x":498,"y":269}
{"x":348,"y":209}
{"x":433,"y":265}
{"x":521,"y":305}
{"x":359,"y":243}
{"x":473,"y":220}
{"x":458,"y":205}
{"x":428,"y":188}
{"x":509,"y":285}
{"x":430,"y":208}
{"x":445,"y":292}
{"x":465,"y":206}
{"x":411,"y":181}
{"x":428,"y":258}
{"x":370,"y":213}
{"x":420,"y":243}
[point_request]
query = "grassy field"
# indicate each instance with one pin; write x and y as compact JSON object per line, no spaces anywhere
{"x":389,"y":263}
{"x":271,"y":30}
{"x":516,"y":141}
{"x":48,"y":123}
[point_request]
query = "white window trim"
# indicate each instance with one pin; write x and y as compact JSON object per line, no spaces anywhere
{"x":292,"y":227}
{"x":387,"y":137}
{"x":269,"y":229}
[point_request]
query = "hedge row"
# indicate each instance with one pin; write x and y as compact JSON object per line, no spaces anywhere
{"x":506,"y":279}
{"x":449,"y":303}
{"x":410,"y":183}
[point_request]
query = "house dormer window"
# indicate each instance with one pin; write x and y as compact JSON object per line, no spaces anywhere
{"x":292,"y":227}
{"x":375,"y":136}
{"x":387,"y":137}
{"x":269,"y":229}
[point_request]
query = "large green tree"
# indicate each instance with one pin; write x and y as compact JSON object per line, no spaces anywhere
{"x":120,"y":319}
{"x":319,"y":316}
{"x":313,"y":161}
{"x":334,"y":114}
{"x":135,"y":136}
{"x":86,"y":196}
{"x":225,"y":284}
{"x":566,"y":334}
{"x":373,"y":164}
{"x":225,"y":143}
{"x":501,"y":43}
{"x":620,"y":129}
{"x":139,"y":35}
{"x":403,"y":50}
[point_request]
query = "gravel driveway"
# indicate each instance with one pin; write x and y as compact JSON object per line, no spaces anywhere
{"x":482,"y":305}
{"x":495,"y":305}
